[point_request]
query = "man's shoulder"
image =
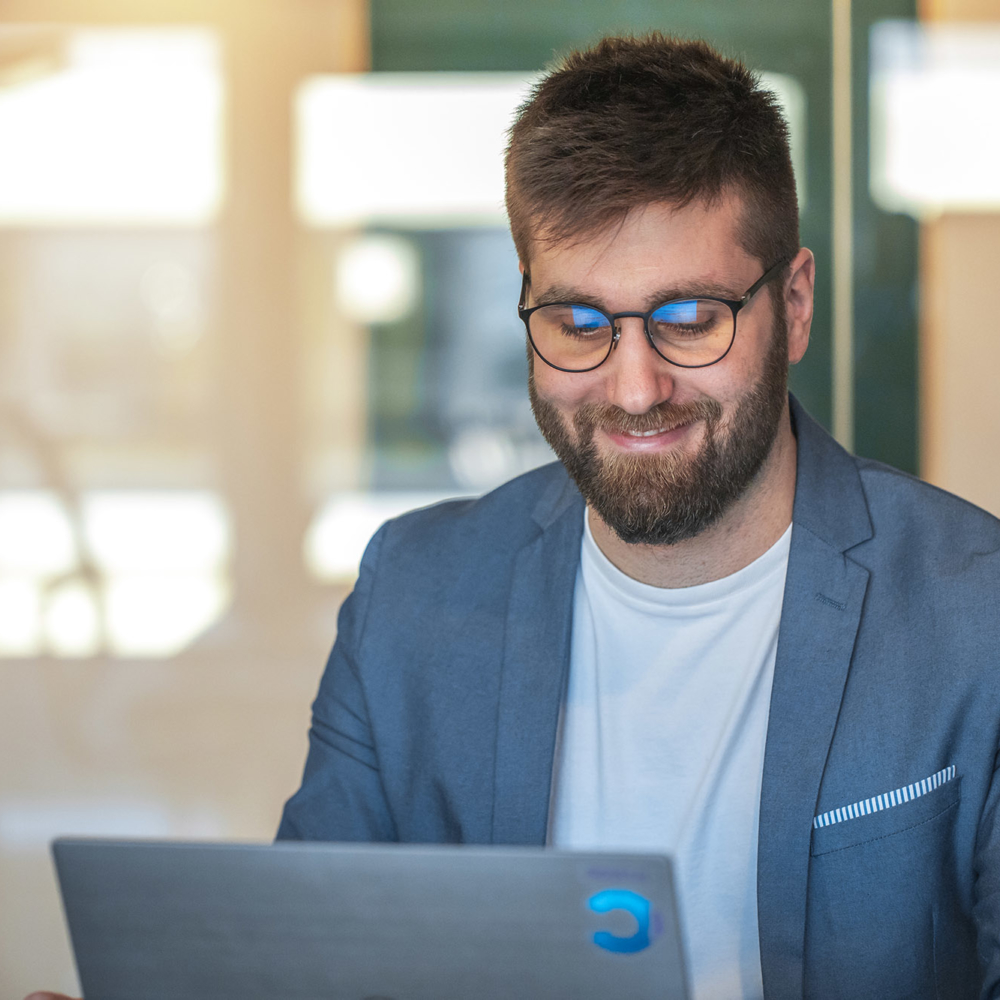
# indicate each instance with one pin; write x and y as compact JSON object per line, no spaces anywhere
{"x":500,"y":521}
{"x":934,"y":529}
{"x":890,"y":490}
{"x":864,"y":506}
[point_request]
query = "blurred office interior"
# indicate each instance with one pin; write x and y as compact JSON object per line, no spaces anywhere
{"x":257,"y":295}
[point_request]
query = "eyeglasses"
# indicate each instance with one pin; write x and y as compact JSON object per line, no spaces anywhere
{"x":690,"y":333}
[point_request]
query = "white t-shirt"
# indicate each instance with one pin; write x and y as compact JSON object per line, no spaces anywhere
{"x":661,"y":744}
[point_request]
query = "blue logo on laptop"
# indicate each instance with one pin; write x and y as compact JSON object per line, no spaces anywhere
{"x":632,"y":903}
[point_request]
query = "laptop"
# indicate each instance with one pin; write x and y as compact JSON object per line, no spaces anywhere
{"x":309,"y":921}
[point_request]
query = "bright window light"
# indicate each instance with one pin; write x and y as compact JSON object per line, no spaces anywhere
{"x":406,"y":149}
{"x":377,"y":278}
{"x":162,"y":557}
{"x":127,"y":129}
{"x":935,"y":117}
{"x":71,"y":620}
{"x":36,"y":539}
{"x":157,"y":615}
{"x":336,"y":539}
{"x":20,"y":605}
{"x":170,"y":531}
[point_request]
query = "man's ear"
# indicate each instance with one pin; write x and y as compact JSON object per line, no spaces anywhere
{"x":799,"y":303}
{"x":520,"y":266}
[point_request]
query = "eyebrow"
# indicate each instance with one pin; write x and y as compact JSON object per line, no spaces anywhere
{"x":566,"y":293}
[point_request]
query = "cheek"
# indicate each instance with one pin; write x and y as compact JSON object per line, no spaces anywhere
{"x":728,"y":391}
{"x":566,"y":392}
{"x":730,"y":380}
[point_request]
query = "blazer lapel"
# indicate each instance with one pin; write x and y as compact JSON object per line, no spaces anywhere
{"x":535,"y":668}
{"x":824,"y":595}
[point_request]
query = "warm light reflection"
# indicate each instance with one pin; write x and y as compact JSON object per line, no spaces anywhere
{"x":71,"y":620}
{"x":162,"y":560}
{"x":128,"y":130}
{"x":20,"y":604}
{"x":154,"y":615}
{"x":35,"y":535}
{"x":378,"y":278}
{"x":935,"y":117}
{"x":135,"y":531}
{"x":406,"y":148}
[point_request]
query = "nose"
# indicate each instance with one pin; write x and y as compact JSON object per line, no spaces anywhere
{"x":637,"y":377}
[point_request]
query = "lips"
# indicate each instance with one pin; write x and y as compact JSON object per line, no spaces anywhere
{"x":646,"y":434}
{"x":655,"y":439}
{"x":635,"y":433}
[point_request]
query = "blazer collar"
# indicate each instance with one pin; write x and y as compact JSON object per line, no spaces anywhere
{"x":535,"y":666}
{"x":559,"y":497}
{"x":821,"y":612}
{"x":829,"y":498}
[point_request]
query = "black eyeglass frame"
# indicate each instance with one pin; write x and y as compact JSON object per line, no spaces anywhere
{"x":735,"y":306}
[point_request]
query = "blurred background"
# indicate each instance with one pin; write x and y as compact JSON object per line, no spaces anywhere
{"x":257,"y":295}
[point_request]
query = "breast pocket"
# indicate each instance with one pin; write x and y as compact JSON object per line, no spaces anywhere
{"x":894,"y":818}
{"x":881,"y":887}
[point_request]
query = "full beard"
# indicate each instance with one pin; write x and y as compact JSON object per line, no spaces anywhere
{"x":662,"y":499}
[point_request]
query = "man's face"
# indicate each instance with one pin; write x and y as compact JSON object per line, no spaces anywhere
{"x":658,"y":451}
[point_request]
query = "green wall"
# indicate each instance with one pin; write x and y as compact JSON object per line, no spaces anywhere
{"x":782,"y":37}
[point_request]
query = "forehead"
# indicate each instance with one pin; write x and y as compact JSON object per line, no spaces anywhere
{"x":656,"y":246}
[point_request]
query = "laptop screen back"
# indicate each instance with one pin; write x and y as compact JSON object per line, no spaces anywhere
{"x":371,"y":922}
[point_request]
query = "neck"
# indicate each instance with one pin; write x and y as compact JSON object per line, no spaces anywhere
{"x":744,"y":533}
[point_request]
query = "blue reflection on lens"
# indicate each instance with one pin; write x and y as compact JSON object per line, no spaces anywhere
{"x":677,"y":312}
{"x":588,"y":319}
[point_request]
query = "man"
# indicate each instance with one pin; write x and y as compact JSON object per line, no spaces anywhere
{"x":710,"y":631}
{"x":719,"y":636}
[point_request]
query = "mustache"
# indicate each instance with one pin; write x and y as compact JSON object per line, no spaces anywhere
{"x":665,"y":415}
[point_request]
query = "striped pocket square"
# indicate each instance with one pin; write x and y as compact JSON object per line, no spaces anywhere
{"x":886,"y":800}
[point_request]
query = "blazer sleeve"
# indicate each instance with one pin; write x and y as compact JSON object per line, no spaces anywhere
{"x":342,"y":796}
{"x":987,"y":888}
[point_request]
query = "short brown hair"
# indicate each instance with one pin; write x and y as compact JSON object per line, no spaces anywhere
{"x":633,"y":121}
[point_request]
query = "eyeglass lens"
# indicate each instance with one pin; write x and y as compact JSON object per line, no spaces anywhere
{"x":688,"y":332}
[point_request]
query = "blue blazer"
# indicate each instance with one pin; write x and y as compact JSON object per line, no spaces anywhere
{"x":878,"y":868}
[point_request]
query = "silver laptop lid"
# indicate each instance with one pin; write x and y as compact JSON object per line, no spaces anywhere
{"x":371,"y":922}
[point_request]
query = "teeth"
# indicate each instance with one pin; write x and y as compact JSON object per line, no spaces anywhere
{"x":646,"y":434}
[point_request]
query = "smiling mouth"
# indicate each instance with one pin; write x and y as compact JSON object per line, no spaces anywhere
{"x":665,"y":429}
{"x":646,"y":434}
